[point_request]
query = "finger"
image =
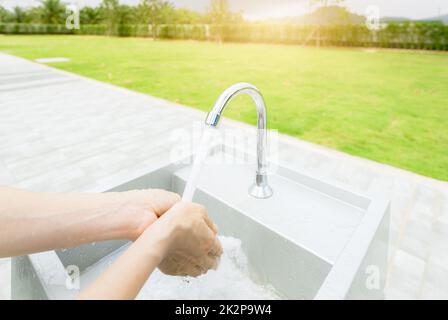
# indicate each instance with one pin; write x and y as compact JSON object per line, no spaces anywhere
{"x":197,"y":208}
{"x":207,"y":263}
{"x":211,"y":225}
{"x":195,"y":271}
{"x":208,"y":241}
{"x":216,"y":250}
{"x":211,"y":262}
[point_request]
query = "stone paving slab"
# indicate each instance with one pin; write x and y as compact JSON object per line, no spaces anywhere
{"x":64,"y":132}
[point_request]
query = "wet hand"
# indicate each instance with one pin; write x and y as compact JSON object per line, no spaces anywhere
{"x":140,"y":208}
{"x":191,"y":247}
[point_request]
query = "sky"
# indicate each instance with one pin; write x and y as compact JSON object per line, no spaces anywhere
{"x":260,"y":9}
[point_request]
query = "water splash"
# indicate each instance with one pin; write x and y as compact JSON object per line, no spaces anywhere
{"x":230,"y":281}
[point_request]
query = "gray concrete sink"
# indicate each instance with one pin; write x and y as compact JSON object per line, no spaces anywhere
{"x":310,"y":240}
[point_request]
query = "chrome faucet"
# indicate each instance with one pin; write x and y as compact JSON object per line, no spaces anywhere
{"x":260,"y":188}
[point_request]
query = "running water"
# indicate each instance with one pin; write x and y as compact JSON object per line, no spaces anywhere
{"x":198,"y":162}
{"x":230,"y":281}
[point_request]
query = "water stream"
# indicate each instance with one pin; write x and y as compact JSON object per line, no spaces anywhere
{"x":198,"y":162}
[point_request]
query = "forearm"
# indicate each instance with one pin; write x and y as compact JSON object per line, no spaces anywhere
{"x":126,"y":276}
{"x":32,"y":222}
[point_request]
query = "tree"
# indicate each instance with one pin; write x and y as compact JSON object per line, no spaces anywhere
{"x":154,"y":12}
{"x":109,"y":12}
{"x":167,"y":13}
{"x":52,"y":11}
{"x":90,"y":15}
{"x":185,"y":16}
{"x":329,"y":12}
{"x":5,"y":15}
{"x":34,"y":15}
{"x":219,"y":14}
{"x":19,"y":14}
{"x":125,"y":14}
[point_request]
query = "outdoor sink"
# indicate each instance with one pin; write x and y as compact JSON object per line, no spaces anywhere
{"x":311,"y":239}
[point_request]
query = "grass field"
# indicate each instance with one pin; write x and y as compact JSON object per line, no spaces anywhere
{"x":388,"y":106}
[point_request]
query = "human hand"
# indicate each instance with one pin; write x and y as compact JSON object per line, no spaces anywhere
{"x":190,"y":247}
{"x":140,"y":208}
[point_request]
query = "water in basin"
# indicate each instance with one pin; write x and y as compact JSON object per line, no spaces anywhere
{"x":232,"y":279}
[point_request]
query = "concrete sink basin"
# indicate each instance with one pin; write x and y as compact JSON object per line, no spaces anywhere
{"x":310,"y":240}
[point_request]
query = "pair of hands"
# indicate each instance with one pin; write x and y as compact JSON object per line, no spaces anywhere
{"x":186,"y":237}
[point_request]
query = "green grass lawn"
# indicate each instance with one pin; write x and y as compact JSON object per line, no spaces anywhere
{"x":388,"y":106}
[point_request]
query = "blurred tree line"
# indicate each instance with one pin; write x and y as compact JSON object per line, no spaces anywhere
{"x":328,"y":24}
{"x":112,"y":13}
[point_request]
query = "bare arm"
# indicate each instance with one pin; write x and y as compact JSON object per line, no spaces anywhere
{"x":126,"y":276}
{"x":182,"y":242}
{"x":32,"y":222}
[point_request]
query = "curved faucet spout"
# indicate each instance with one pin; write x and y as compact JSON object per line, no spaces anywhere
{"x":260,"y":189}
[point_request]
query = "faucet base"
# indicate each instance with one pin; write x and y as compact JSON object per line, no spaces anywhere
{"x":262,"y":191}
